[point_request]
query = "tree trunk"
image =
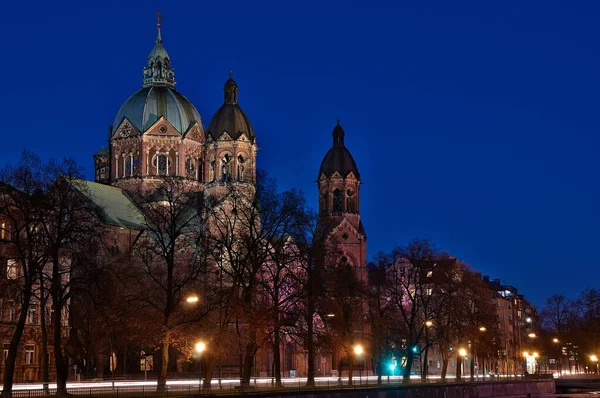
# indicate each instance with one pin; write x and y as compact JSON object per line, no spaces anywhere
{"x":277,"y":358}
{"x":164,"y":365}
{"x":11,"y":359}
{"x":350,"y":367}
{"x":208,"y":370}
{"x":248,"y":364}
{"x":445,"y":363}
{"x":408,"y":367}
{"x":425,"y":371}
{"x":472,"y":368}
{"x":60,"y":362}
{"x":45,"y":364}
{"x":310,"y":346}
{"x":379,"y":365}
{"x":458,"y":367}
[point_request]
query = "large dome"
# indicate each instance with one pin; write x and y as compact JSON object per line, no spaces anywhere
{"x":338,"y":158}
{"x":232,"y":119}
{"x":148,"y":104}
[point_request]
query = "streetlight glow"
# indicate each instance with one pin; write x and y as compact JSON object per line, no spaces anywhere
{"x":525,"y":354}
{"x":330,"y":315}
{"x":535,"y":355}
{"x":528,"y":320}
{"x":429,"y":324}
{"x":200,"y":347}
{"x":594,"y":358}
{"x":482,"y":329}
{"x":532,"y":335}
{"x":192,"y":299}
{"x":555,"y":340}
{"x":462,"y":352}
{"x":358,"y":350}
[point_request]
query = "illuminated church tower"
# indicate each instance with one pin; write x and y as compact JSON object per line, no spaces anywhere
{"x":339,"y":201}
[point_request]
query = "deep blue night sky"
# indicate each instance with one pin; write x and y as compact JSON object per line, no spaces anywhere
{"x":471,"y":124}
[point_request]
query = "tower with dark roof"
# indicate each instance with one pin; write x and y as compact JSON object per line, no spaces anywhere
{"x":339,"y":200}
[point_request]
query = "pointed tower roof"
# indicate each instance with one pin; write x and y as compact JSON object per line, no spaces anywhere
{"x":338,"y":158}
{"x":158,"y":71}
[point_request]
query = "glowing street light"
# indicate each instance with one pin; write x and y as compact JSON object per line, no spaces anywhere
{"x":429,"y":324}
{"x":462,"y":352}
{"x":594,"y":358}
{"x":528,"y":320}
{"x":200,"y":347}
{"x":555,"y":340}
{"x":526,"y":354}
{"x":330,"y":315}
{"x":535,"y":355}
{"x":532,"y":335}
{"x":482,"y":329}
{"x":358,"y":350}
{"x":192,"y":299}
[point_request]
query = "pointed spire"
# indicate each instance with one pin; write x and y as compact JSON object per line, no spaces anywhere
{"x":230,"y":90}
{"x":158,"y":71}
{"x":158,"y":38}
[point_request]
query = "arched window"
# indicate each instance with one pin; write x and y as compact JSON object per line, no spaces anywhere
{"x":162,"y":163}
{"x":350,"y":201}
{"x":190,"y":167}
{"x":226,"y":167}
{"x":338,"y":201}
{"x":241,"y":169}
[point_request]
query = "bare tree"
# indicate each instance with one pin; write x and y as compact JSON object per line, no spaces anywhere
{"x":170,"y":262}
{"x":21,"y":213}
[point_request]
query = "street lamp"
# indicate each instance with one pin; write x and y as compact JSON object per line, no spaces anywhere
{"x":429,"y":324}
{"x":200,"y":348}
{"x":482,"y":329}
{"x":192,"y":299}
{"x":555,"y":340}
{"x":532,"y":335}
{"x":358,"y":350}
{"x":594,"y":359}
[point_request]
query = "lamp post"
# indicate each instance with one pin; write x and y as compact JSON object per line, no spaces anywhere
{"x":200,"y":348}
{"x":192,"y":299}
{"x":462,"y":353}
{"x":594,"y":359}
{"x":358,"y":350}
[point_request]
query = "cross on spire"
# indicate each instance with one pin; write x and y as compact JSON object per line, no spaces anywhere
{"x":159,"y":16}
{"x":231,"y":74}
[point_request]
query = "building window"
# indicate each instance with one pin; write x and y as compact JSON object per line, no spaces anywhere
{"x":32,"y":315}
{"x":429,"y":274}
{"x":29,"y":354}
{"x":3,"y":231}
{"x":429,"y":291}
{"x":6,"y":347}
{"x":11,"y":269}
{"x":338,"y":201}
{"x":10,"y":314}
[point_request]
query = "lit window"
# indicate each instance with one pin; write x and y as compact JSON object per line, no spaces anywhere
{"x":3,"y":231}
{"x":11,"y":269}
{"x":429,"y":274}
{"x":29,"y":354}
{"x":6,"y":347}
{"x":429,"y":291}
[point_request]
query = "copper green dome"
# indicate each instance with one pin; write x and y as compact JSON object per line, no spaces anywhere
{"x":148,"y":104}
{"x":338,"y":158}
{"x":158,"y":97}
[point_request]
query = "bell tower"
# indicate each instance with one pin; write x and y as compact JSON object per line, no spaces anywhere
{"x":339,"y":201}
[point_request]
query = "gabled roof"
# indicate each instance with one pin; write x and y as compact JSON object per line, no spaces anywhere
{"x":113,"y":204}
